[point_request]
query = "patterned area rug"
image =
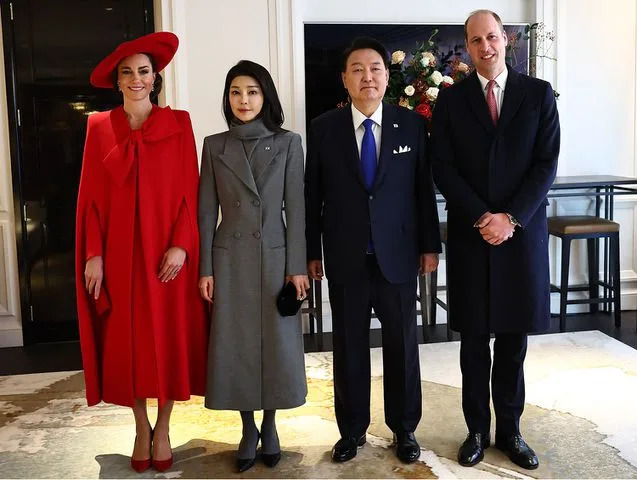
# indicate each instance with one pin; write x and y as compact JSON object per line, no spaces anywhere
{"x":580,"y":419}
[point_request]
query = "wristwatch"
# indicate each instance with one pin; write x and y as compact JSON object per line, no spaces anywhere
{"x":512,"y":219}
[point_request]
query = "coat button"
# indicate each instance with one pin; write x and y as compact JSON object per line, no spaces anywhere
{"x":257,"y":234}
{"x":237,"y":234}
{"x":237,"y":203}
{"x":371,"y":197}
{"x":256,"y":203}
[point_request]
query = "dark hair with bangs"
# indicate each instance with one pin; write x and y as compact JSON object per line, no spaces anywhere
{"x":271,"y":112}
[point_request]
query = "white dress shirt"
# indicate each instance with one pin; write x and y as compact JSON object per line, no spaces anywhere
{"x":498,"y":88}
{"x":359,"y":129}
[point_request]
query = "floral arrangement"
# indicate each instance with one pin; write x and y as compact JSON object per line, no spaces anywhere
{"x":415,"y":79}
{"x":542,"y":39}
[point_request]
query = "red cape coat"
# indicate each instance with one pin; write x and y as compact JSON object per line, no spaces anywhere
{"x":137,"y":198}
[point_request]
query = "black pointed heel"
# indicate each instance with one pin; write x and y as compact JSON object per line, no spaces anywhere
{"x":271,"y":459}
{"x":244,"y":464}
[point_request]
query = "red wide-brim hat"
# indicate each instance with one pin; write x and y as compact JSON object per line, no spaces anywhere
{"x":161,"y":45}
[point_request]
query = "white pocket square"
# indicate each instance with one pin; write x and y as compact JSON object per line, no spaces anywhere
{"x":404,"y":149}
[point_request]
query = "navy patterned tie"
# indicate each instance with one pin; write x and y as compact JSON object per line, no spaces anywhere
{"x":368,"y":155}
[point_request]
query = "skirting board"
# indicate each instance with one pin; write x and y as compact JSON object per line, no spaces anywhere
{"x":11,"y":338}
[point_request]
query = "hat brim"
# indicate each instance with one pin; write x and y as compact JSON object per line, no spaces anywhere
{"x":161,"y":45}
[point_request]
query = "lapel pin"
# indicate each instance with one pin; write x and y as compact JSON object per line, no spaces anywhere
{"x":395,"y":125}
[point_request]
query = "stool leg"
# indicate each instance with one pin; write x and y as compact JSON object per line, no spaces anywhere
{"x":310,"y":304}
{"x":566,"y":254}
{"x":318,"y":305}
{"x":592,"y":245}
{"x":433,"y":295}
{"x":614,"y":261}
{"x":448,"y":303}
{"x":423,"y":295}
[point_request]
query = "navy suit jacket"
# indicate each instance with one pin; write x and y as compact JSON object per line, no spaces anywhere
{"x":510,"y":167}
{"x":399,"y":211}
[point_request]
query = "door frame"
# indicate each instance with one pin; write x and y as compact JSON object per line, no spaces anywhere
{"x":6,"y":11}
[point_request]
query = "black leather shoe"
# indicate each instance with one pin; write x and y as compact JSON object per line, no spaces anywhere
{"x":407,"y":448}
{"x":472,"y":449}
{"x":347,"y":447}
{"x":518,"y":451}
{"x":271,"y":459}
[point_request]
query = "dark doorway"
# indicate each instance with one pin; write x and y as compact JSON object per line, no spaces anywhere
{"x":50,"y":49}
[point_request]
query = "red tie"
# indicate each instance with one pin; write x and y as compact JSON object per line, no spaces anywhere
{"x":491,"y":103}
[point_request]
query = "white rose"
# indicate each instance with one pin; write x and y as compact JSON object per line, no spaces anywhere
{"x":430,"y":56}
{"x":424,"y":61}
{"x":432,"y":93}
{"x":436,"y":77}
{"x":409,"y":90}
{"x":447,"y":79}
{"x":397,"y":57}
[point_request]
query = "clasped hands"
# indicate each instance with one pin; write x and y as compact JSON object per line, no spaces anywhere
{"x":495,"y":228}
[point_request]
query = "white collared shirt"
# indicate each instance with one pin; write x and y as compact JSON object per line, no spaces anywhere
{"x":498,"y":88}
{"x":359,"y":129}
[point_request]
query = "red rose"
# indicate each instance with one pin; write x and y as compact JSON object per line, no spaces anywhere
{"x":424,"y":109}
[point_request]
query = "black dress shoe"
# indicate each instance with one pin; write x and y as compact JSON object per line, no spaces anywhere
{"x":472,"y":449}
{"x":518,"y":451}
{"x":271,"y":459}
{"x":407,"y":448}
{"x":346,"y":448}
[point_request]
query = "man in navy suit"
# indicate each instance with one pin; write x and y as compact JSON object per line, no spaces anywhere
{"x":495,"y":142}
{"x":370,"y":199}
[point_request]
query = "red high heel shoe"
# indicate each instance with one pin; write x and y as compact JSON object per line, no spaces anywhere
{"x":141,"y":466}
{"x":163,"y":465}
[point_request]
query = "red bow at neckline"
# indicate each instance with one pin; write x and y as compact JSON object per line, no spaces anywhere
{"x":160,"y":124}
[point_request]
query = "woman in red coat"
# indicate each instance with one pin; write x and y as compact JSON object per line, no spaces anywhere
{"x":142,"y":325}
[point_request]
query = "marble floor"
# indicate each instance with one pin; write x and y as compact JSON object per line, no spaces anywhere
{"x":580,"y":418}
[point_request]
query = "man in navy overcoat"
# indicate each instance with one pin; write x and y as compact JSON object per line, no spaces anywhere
{"x":495,"y":142}
{"x":370,"y":202}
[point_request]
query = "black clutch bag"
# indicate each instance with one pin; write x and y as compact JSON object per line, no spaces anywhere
{"x":286,"y":301}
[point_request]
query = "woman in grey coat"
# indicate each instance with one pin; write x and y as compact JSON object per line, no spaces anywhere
{"x":252,"y":171}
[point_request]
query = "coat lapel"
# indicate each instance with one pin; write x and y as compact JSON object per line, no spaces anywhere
{"x":477,"y":102}
{"x":346,"y":141}
{"x":513,"y":96}
{"x":386,"y":141}
{"x":234,"y":158}
{"x":263,"y":155}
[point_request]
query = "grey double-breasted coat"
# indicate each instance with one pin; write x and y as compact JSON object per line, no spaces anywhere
{"x":255,"y":358}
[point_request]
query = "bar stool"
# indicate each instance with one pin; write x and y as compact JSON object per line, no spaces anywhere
{"x":314,"y":307}
{"x":435,"y":300}
{"x":591,"y":228}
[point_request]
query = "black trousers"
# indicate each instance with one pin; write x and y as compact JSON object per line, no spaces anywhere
{"x":507,"y":382}
{"x":395,"y":306}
